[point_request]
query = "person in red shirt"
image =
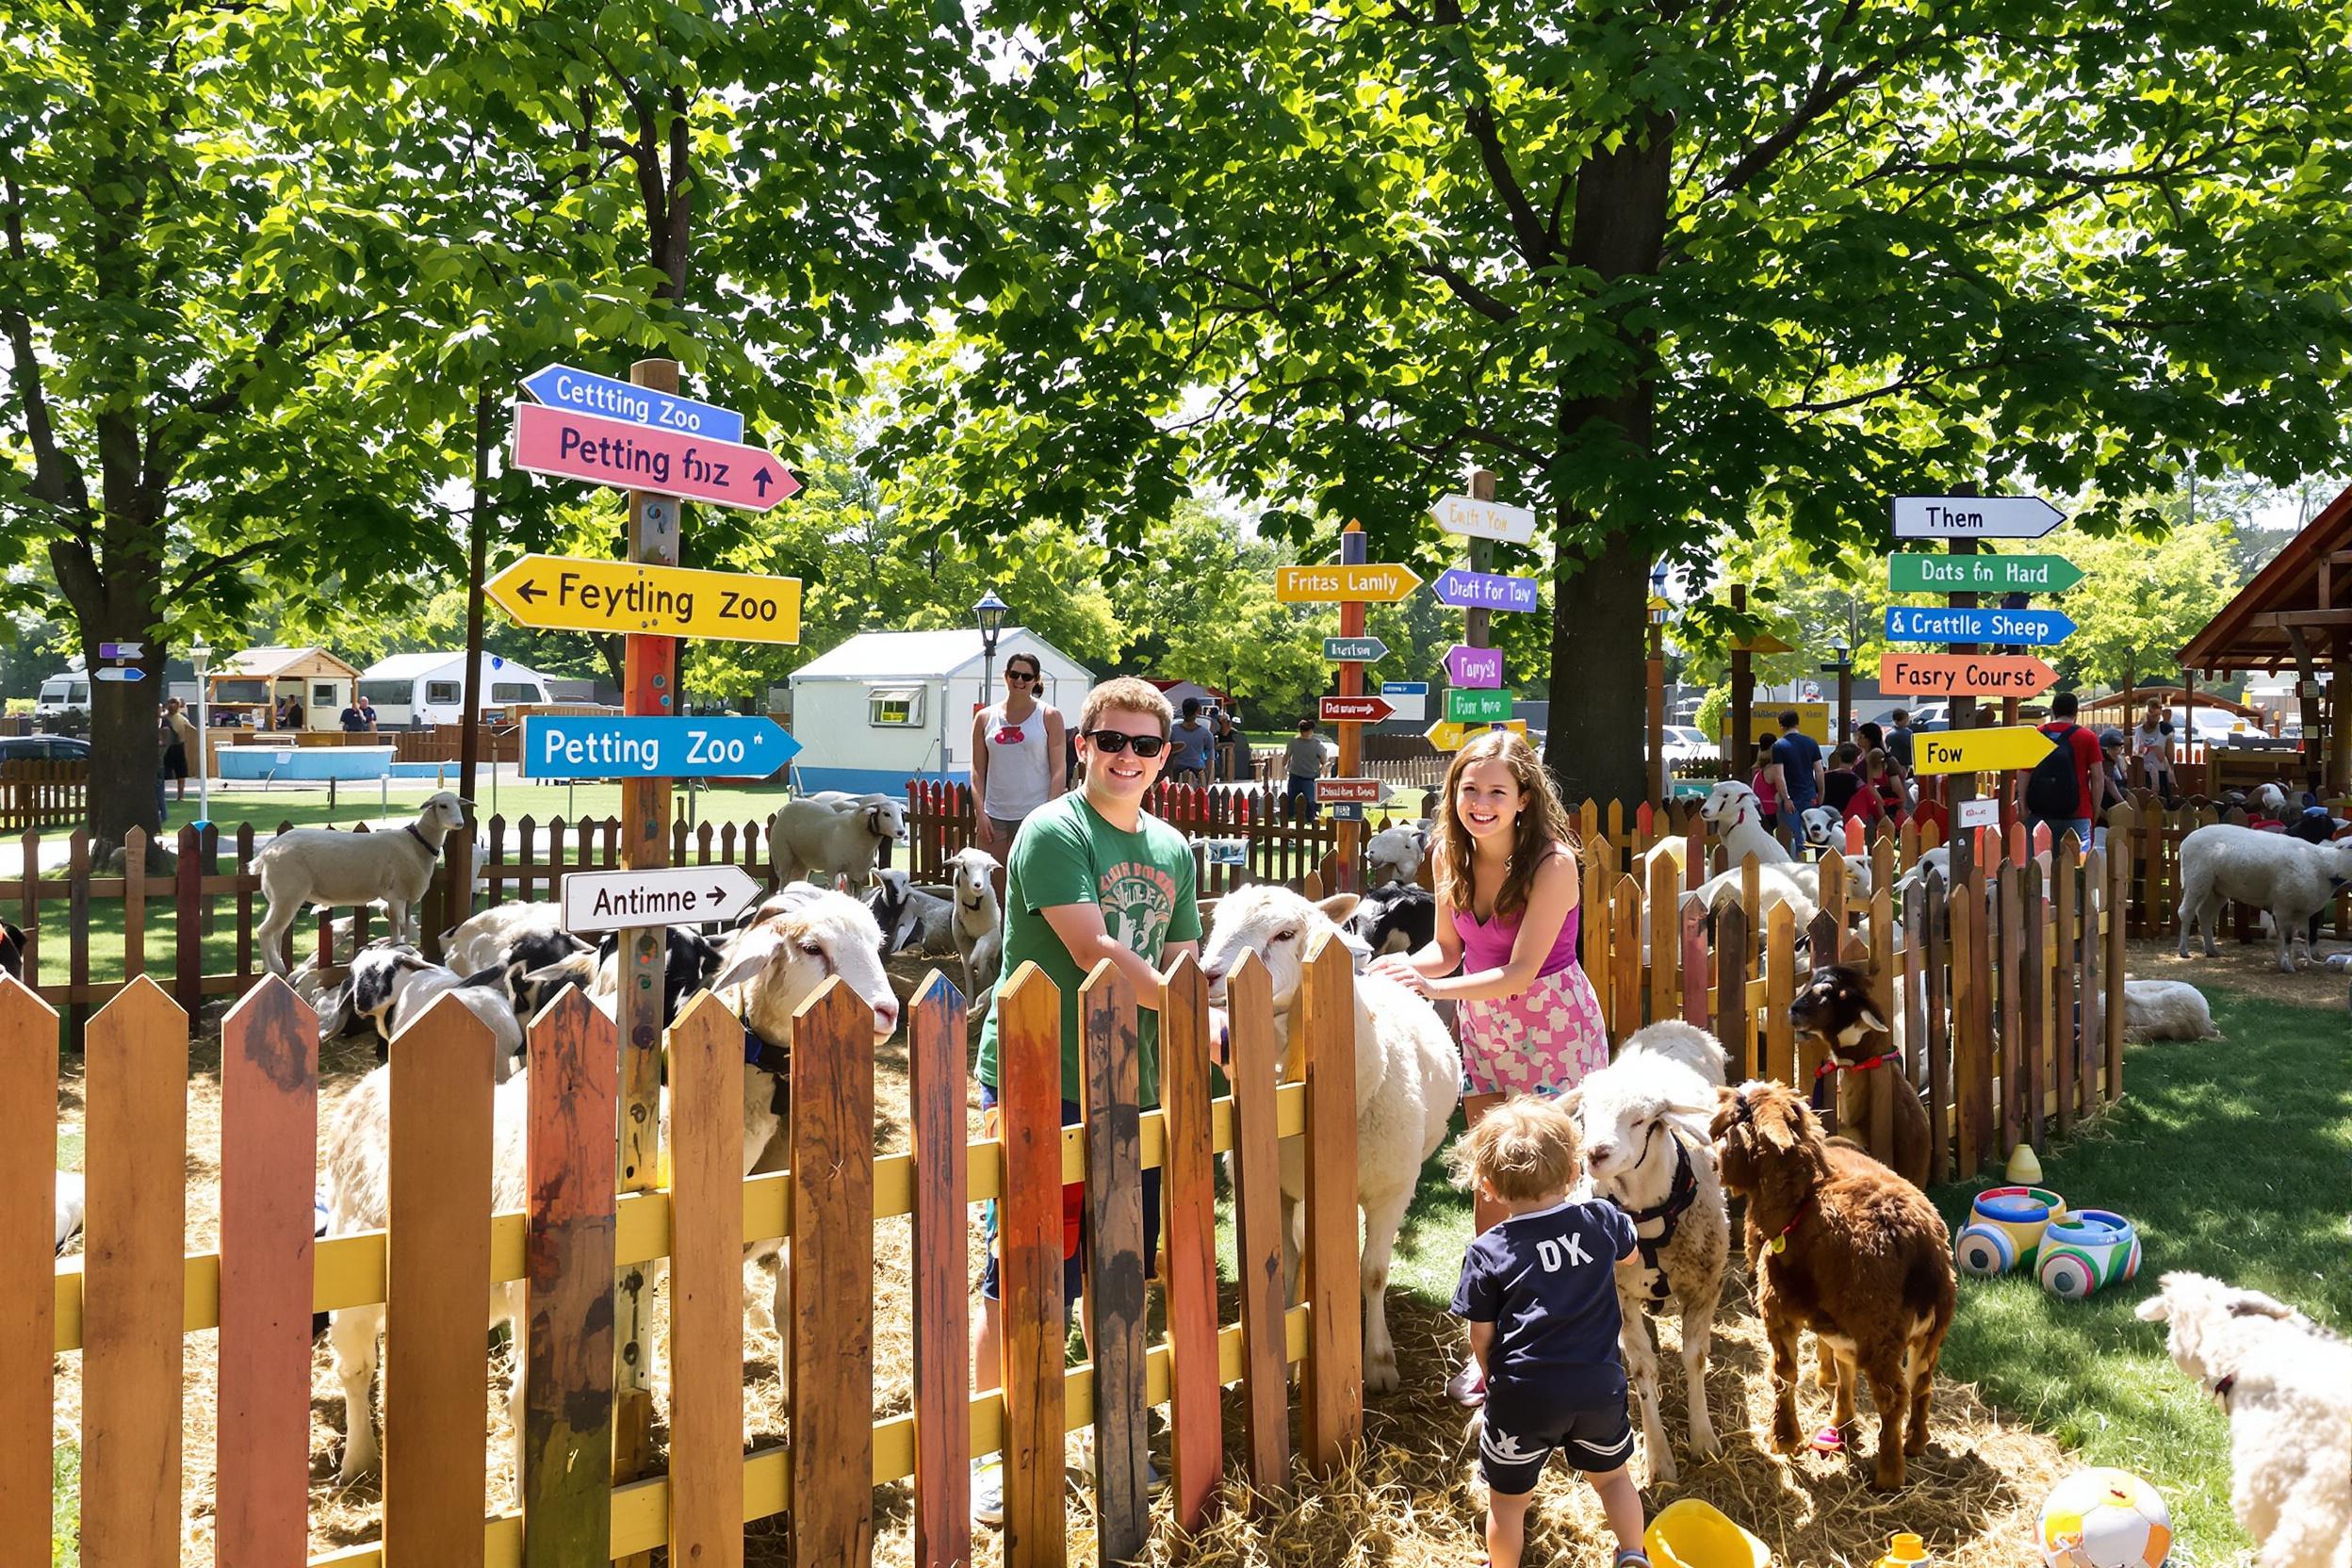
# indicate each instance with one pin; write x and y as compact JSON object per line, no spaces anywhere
{"x":2040,"y":794}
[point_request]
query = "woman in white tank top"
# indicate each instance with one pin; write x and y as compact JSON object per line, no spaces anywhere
{"x":1017,"y":757}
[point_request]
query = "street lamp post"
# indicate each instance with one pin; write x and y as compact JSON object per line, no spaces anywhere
{"x":990,"y":615}
{"x":1844,"y":669}
{"x":200,"y":654}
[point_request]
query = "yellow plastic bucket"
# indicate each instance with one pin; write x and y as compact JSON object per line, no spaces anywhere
{"x":1692,"y":1534}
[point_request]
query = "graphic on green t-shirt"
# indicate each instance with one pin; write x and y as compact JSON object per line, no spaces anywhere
{"x":1144,"y":884}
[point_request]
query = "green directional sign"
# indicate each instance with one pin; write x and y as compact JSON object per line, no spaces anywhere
{"x":1477,"y":707}
{"x":1980,"y":574}
{"x":1368,"y":650}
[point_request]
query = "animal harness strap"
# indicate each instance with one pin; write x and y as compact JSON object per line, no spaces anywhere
{"x":1679,"y":1197}
{"x":1780,"y":1240}
{"x":410,"y":828}
{"x":1832,"y":1064}
{"x":774,"y":1060}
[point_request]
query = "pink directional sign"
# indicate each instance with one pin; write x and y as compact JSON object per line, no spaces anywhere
{"x":572,"y":445}
{"x":1473,"y":669}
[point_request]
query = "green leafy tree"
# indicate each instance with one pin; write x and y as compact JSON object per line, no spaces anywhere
{"x":1661,"y":265}
{"x":2140,"y":600}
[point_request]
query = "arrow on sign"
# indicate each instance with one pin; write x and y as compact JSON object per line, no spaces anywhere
{"x":1485,"y":591}
{"x":1467,"y":666}
{"x":571,"y":444}
{"x":1965,"y":674}
{"x":657,"y":601}
{"x":1978,"y":750}
{"x":601,"y":746}
{"x":1975,"y":516}
{"x":1912,"y":623}
{"x":119,"y":672}
{"x":121,"y":650}
{"x":1354,"y":710}
{"x":1371,"y":792}
{"x":1980,"y":574}
{"x":562,"y":387}
{"x":1477,"y":519}
{"x":1365,"y":650}
{"x":1370,"y":584}
{"x":670,"y":896}
{"x":1466,"y":704}
{"x":1450,"y":736}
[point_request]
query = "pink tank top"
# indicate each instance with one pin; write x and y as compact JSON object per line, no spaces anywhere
{"x":1487,"y":944}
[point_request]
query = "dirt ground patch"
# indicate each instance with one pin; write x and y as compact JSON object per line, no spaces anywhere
{"x":2249,"y":968}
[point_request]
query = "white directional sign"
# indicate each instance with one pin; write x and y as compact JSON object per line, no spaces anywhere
{"x":675,"y":895}
{"x":1477,"y":519}
{"x":1975,"y":516}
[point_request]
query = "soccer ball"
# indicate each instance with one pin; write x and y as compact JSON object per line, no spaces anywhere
{"x":2104,"y":1519}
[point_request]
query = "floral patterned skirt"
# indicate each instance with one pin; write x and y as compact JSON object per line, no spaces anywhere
{"x":1541,"y":1041}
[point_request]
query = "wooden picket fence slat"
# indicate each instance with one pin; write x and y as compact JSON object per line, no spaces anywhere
{"x":28,"y":1165}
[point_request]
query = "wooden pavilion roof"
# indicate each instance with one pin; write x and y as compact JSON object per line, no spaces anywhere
{"x":2304,"y":593}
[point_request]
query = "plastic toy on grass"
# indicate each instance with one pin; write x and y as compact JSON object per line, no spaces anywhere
{"x":2104,"y":1519}
{"x":1905,"y":1550}
{"x":2082,"y":1252}
{"x":2005,"y":1230}
{"x":1691,"y":1534}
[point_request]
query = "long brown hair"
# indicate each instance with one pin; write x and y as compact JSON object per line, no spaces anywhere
{"x":1542,"y":823}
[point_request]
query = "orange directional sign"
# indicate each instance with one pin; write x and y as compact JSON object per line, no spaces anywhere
{"x":1380,"y":584}
{"x":1965,"y":674}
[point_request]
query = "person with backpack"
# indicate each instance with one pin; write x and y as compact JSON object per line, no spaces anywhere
{"x":2066,"y":788}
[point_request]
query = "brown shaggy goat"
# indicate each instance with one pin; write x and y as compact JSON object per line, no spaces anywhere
{"x":1843,"y":1246}
{"x":1836,"y":1007}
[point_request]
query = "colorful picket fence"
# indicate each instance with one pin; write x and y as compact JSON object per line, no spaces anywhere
{"x":43,"y":795}
{"x":124,"y":1305}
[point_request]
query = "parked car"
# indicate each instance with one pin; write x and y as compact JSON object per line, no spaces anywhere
{"x":1688,"y":744}
{"x":66,"y":692}
{"x":43,"y":748}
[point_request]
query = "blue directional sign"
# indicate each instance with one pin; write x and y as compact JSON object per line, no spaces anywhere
{"x":1915,"y":623}
{"x":1485,"y":590}
{"x":603,"y":747}
{"x":561,"y":387}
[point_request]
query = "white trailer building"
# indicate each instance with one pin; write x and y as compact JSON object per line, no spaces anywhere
{"x":430,"y":688}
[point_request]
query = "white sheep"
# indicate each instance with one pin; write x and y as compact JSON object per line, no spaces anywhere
{"x":1822,"y":827}
{"x":1408,"y":1078}
{"x":2286,"y":1385}
{"x":775,"y":963}
{"x":1796,"y":885}
{"x":320,"y":865}
{"x":2290,"y":879}
{"x":2166,"y":1010}
{"x":1646,"y":1123}
{"x":1395,"y":853}
{"x":499,"y":936}
{"x":71,"y":1207}
{"x":979,"y":933}
{"x":1736,"y":816}
{"x":2271,"y":801}
{"x":837,"y":834}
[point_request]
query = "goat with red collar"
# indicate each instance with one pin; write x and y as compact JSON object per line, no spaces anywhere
{"x":1838,"y":1007}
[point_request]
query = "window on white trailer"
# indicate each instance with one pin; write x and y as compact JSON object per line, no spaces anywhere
{"x":894,"y":707}
{"x":512,"y":691}
{"x":447,"y":692}
{"x":383,"y":691}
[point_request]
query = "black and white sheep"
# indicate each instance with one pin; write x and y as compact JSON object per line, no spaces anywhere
{"x":1395,"y":853}
{"x":318,"y":865}
{"x":688,"y":962}
{"x":1396,"y":917}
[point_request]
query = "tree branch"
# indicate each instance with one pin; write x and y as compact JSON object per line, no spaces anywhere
{"x":1466,"y":290}
{"x":57,"y":479}
{"x":1478,"y":118}
{"x":213,"y":565}
{"x":1825,"y":94}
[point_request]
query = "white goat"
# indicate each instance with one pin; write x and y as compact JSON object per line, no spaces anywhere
{"x":1644,"y":1119}
{"x":837,"y":834}
{"x":2166,"y":1010}
{"x":320,"y":865}
{"x":1736,"y":816}
{"x":1395,"y":853}
{"x":979,"y":921}
{"x":2290,"y":879}
{"x":1408,"y":1078}
{"x":776,"y":963}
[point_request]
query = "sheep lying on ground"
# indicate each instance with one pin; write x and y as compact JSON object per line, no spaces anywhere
{"x":833,"y":834}
{"x":71,"y":1206}
{"x":1732,"y":809}
{"x":912,"y":919}
{"x":689,"y":961}
{"x":1796,"y":885}
{"x":320,"y":865}
{"x":2166,"y":1010}
{"x":389,"y":985}
{"x":1645,"y":1123}
{"x":1842,"y":1245}
{"x":2286,"y":1385}
{"x":1408,"y":1077}
{"x":775,"y":964}
{"x":1395,"y":853}
{"x":507,"y":935}
{"x":1822,"y":827}
{"x":2290,"y":879}
{"x":1836,"y":1007}
{"x":1396,"y":917}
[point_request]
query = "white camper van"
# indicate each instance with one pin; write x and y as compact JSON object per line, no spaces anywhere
{"x":427,"y":689}
{"x":66,"y":692}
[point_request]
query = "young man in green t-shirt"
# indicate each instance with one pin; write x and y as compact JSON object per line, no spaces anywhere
{"x":1092,"y":877}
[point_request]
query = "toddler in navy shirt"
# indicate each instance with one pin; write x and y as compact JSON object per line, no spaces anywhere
{"x":1538,"y":1292}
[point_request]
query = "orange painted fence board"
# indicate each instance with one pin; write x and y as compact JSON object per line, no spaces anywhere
{"x":438,"y":1288}
{"x":705,"y":1150}
{"x":832,"y":1296}
{"x":268,"y":1168}
{"x":1189,"y":1244}
{"x":1258,"y":1231}
{"x":29,"y":1163}
{"x":1325,"y":1019}
{"x":1114,"y":1261}
{"x":136,"y":1161}
{"x":567,"y":1249}
{"x":943,"y":1313}
{"x":1029,"y":1249}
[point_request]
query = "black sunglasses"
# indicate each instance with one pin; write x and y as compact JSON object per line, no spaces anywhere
{"x":1020,"y":675}
{"x":1112,"y":742}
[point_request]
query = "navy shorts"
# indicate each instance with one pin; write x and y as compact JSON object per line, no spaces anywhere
{"x":1074,"y":1218}
{"x":1523,"y":1426}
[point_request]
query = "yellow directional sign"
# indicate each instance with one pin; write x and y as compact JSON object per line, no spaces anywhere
{"x":1378,"y":585}
{"x":558,"y":594}
{"x":1978,"y":750}
{"x":1453,"y":737}
{"x":1763,"y":642}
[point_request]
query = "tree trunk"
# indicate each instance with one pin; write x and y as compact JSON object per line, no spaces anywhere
{"x":124,"y":755}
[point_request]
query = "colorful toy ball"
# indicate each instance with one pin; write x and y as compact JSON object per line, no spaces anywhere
{"x":2104,"y":1519}
{"x":2082,"y":1252}
{"x":2004,"y":1228}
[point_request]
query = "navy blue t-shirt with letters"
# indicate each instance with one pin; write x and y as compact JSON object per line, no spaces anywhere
{"x":1547,"y":1282}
